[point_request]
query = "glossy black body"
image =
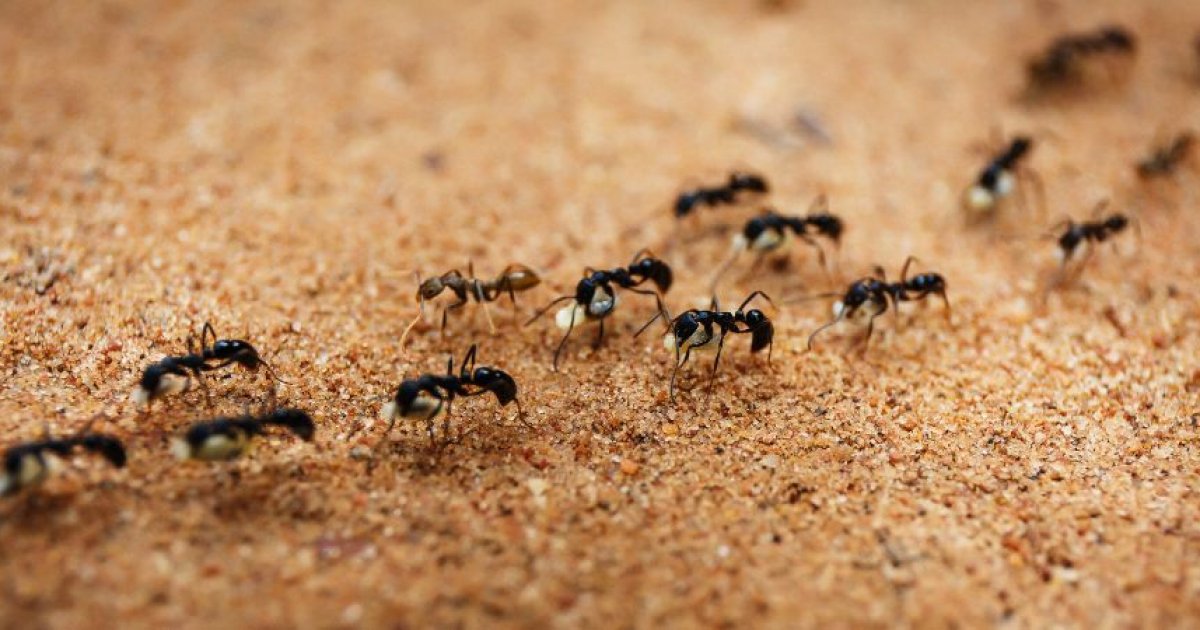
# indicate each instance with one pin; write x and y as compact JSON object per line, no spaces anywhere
{"x":724,"y":194}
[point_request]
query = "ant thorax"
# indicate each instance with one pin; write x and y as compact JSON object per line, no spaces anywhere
{"x":603,"y":303}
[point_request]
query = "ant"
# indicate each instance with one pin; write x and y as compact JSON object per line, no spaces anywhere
{"x":1164,"y":160}
{"x":173,"y":374}
{"x":727,"y":193}
{"x":769,"y":231}
{"x":696,"y":329}
{"x":869,"y":297}
{"x":1076,"y":235}
{"x":998,"y":179}
{"x":1061,"y":64}
{"x":224,"y":439}
{"x":512,"y":279}
{"x":26,"y":465}
{"x":595,"y":298}
{"x":427,"y":396}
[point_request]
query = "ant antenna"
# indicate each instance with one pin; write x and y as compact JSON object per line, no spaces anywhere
{"x":420,"y":311}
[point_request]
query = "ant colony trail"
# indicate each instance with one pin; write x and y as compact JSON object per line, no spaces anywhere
{"x":671,"y":314}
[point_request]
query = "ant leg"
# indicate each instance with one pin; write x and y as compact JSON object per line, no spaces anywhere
{"x":723,"y":269}
{"x":904,"y":270}
{"x":870,"y":328}
{"x":657,"y":300}
{"x":647,"y":325}
{"x":562,"y":344}
{"x":753,"y":295}
{"x":487,"y":314}
{"x":207,"y":332}
{"x":599,"y":337}
{"x":549,"y":306}
{"x":675,"y":372}
{"x":512,"y":295}
{"x":712,"y":377}
{"x":946,"y":301}
{"x":822,"y":328}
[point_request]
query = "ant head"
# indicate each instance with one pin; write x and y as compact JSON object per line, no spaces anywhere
{"x":829,"y":225}
{"x":685,"y":203}
{"x":654,"y":269}
{"x":108,"y":446}
{"x":756,"y":226}
{"x":684,"y":327}
{"x":521,"y":278}
{"x":755,"y":318}
{"x":1116,"y":222}
{"x":430,"y":289}
{"x":859,"y":293}
{"x":496,"y":381}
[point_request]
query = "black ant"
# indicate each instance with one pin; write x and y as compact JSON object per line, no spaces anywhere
{"x":514,"y":278}
{"x":429,"y":395}
{"x":1061,"y":64}
{"x":595,"y":298}
{"x":705,"y":330}
{"x":713,"y":196}
{"x":869,"y":297}
{"x":26,"y":465}
{"x":224,"y":439}
{"x":1165,"y":159}
{"x":173,"y":374}
{"x":1076,"y":235}
{"x":998,"y":179}
{"x":769,"y":231}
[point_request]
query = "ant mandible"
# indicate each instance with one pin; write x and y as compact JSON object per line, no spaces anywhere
{"x":26,"y":465}
{"x":173,"y":374}
{"x":727,"y":193}
{"x":869,"y":297}
{"x":512,"y":279}
{"x":705,"y":330}
{"x":223,"y":439}
{"x":769,"y":231}
{"x":429,"y":395}
{"x":595,"y":298}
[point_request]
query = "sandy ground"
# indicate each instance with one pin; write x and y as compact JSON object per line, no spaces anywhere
{"x":281,"y":168}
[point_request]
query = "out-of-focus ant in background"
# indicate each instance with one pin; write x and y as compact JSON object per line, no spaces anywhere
{"x":770,"y":231}
{"x":1068,"y":60}
{"x":725,"y":194}
{"x":512,"y":279}
{"x":174,"y":374}
{"x":1004,"y":176}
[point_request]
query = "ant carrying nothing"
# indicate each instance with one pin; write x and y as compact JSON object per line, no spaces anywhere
{"x":769,"y":231}
{"x":705,"y":330}
{"x":1166,"y":159}
{"x":1086,"y":234}
{"x":429,"y":395}
{"x":512,"y":279}
{"x":595,"y":298}
{"x":173,"y":374}
{"x":224,"y":439}
{"x":26,"y":465}
{"x":727,"y":193}
{"x":1062,"y":63}
{"x":998,"y":179}
{"x":869,"y":297}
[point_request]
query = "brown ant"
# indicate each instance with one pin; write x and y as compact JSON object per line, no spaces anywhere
{"x":173,"y":374}
{"x":714,"y":196}
{"x":26,"y":465}
{"x":429,"y":395}
{"x":224,"y":439}
{"x":595,"y":298}
{"x":1062,"y":62}
{"x":1164,"y":160}
{"x":512,"y":279}
{"x":869,"y":297}
{"x":769,"y":231}
{"x":705,"y":330}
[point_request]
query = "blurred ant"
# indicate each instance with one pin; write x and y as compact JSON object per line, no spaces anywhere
{"x":173,"y":374}
{"x":595,"y":298}
{"x":26,"y":465}
{"x":998,"y":179}
{"x":869,"y":297}
{"x":769,"y":231}
{"x":705,"y":330}
{"x":514,"y":278}
{"x":1062,"y":63}
{"x":224,"y":439}
{"x":429,"y":395}
{"x":1086,"y":234}
{"x":1166,"y":159}
{"x":738,"y":182}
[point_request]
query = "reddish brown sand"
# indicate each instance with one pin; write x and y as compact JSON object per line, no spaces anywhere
{"x":282,"y":168}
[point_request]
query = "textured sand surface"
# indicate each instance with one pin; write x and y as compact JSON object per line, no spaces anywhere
{"x":281,"y":168}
